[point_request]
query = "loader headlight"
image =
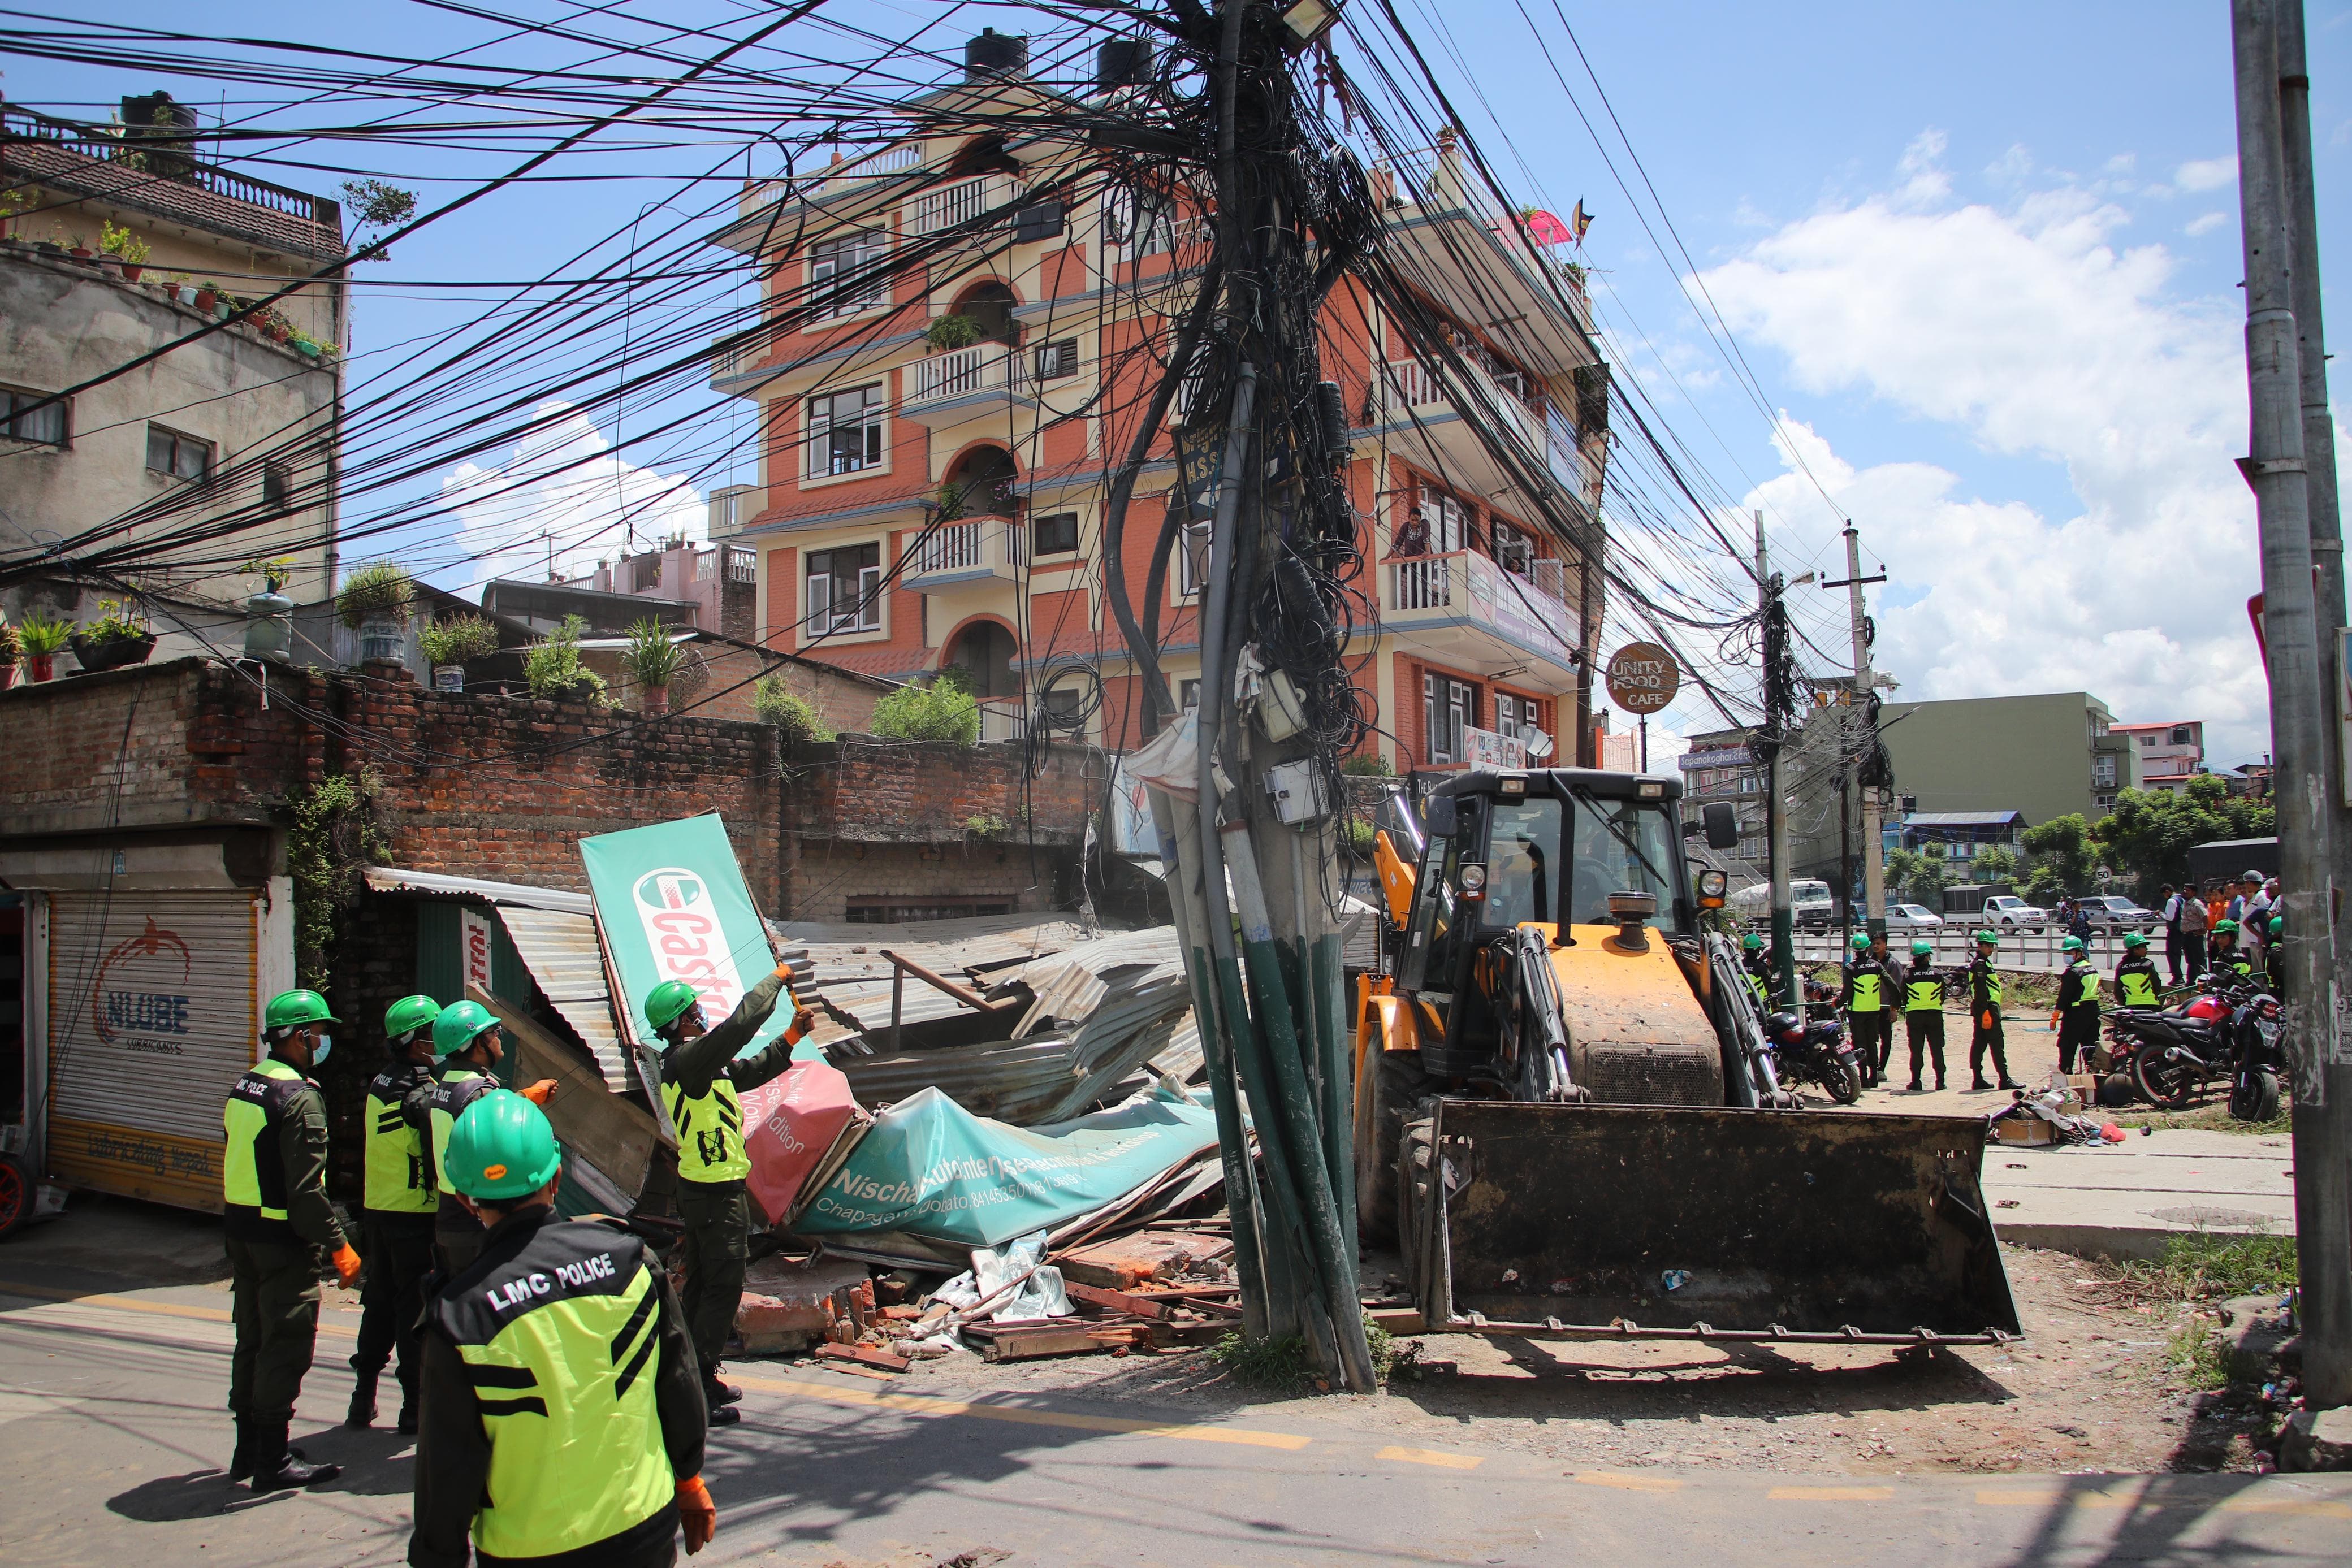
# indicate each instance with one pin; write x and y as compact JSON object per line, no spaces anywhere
{"x":1473,"y":878}
{"x":1712,"y":883}
{"x":1512,"y":784}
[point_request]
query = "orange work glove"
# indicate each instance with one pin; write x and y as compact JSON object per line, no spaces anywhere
{"x":802,"y":1021}
{"x":347,"y":1265}
{"x":2054,"y":1023}
{"x":697,"y":1514}
{"x":784,"y":973}
{"x":540,"y":1093}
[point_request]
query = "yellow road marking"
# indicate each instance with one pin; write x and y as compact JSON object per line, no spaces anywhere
{"x":2288,"y":1505}
{"x":158,"y":1309}
{"x":1022,"y":1416}
{"x":1628,"y":1483}
{"x":1431,"y":1457}
{"x":1830,"y":1494}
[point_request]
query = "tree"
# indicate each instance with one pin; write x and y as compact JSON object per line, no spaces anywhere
{"x":2059,"y":858}
{"x":2149,"y":835}
{"x":1994,"y":863}
{"x":1916,"y":877}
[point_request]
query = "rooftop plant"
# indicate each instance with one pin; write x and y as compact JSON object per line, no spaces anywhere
{"x":379,"y":588}
{"x":459,"y":639}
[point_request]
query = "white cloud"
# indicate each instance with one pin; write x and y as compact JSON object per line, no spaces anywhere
{"x":2207,"y":173}
{"x":561,"y":489}
{"x":2205,"y":224}
{"x":2029,"y":330}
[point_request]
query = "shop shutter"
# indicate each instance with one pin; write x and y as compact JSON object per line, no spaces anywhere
{"x":153,"y":1015}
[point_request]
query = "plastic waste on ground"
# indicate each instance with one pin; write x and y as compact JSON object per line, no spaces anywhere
{"x":1039,"y":1294}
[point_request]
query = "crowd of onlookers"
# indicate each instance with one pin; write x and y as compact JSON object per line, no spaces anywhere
{"x":2196,"y":919}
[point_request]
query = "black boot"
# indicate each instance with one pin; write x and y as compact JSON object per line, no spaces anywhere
{"x":362,"y":1413}
{"x":407,"y":1403}
{"x":276,"y":1467}
{"x":240,"y":1463}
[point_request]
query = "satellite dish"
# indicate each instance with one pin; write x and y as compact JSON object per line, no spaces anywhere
{"x":1538,"y":743}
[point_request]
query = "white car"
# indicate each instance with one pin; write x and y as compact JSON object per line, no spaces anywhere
{"x":2006,"y":914}
{"x":2113,"y":912}
{"x":1914,"y":918}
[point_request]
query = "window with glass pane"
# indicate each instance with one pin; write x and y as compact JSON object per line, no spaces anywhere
{"x":842,"y":274}
{"x":844,"y":588}
{"x":1507,"y":717}
{"x":845,"y":432}
{"x":180,"y":456}
{"x":1514,"y":551}
{"x":1448,"y":708}
{"x":1057,"y":534}
{"x":1618,"y":846}
{"x":29,"y":416}
{"x":1521,"y":848}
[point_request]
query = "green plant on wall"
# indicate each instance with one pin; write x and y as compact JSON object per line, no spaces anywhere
{"x":943,"y":713}
{"x":121,"y":244}
{"x":651,"y":658}
{"x":41,"y":633}
{"x":459,"y":639}
{"x":789,"y":712}
{"x":380,"y":587}
{"x":552,"y":665}
{"x":335,"y":837}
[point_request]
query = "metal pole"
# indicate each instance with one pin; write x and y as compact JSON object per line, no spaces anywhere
{"x":2327,"y":1214}
{"x":1776,"y":815}
{"x":2275,"y":468}
{"x":1873,"y":848}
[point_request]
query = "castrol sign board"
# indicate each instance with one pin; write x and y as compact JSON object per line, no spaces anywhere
{"x":672,"y":905}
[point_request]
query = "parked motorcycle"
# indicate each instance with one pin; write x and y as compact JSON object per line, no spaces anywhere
{"x":2175,"y":1056}
{"x":2260,"y":1064}
{"x":1814,"y":1052}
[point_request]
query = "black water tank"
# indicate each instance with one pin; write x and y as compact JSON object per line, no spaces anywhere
{"x":157,"y":109}
{"x":1123,"y":62}
{"x":994,"y":54}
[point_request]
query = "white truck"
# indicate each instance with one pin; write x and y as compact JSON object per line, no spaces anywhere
{"x":1809,"y":901}
{"x":2005,"y":914}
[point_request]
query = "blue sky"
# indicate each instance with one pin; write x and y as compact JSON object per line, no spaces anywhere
{"x":1981,"y":260}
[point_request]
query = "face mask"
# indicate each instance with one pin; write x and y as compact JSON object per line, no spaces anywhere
{"x":318,"y":1052}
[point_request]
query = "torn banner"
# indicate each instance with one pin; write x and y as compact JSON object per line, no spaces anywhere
{"x":930,"y":1168}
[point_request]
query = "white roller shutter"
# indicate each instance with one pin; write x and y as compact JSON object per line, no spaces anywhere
{"x":153,"y":1014}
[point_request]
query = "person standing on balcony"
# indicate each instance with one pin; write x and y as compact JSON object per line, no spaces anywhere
{"x":1411,"y":536}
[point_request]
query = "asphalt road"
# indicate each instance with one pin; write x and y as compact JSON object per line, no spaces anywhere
{"x":112,"y":1438}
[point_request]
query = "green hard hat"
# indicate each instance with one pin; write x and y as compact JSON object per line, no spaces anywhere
{"x":2135,"y":939}
{"x":1751,"y":942}
{"x":288,"y":1008}
{"x":1861,"y":941}
{"x":2278,"y":924}
{"x":501,"y":1147}
{"x":666,"y":1001}
{"x":408,"y":1015}
{"x":1991,"y":936}
{"x":2071,"y":944}
{"x":458,"y":1025}
{"x":1921,"y":947}
{"x":2225,"y":929}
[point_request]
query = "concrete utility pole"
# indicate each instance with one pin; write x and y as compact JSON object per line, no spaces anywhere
{"x":1865,"y":683}
{"x":1776,"y":810}
{"x":2299,"y":690}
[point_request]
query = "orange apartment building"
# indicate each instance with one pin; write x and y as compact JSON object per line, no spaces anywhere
{"x":1486,"y":622}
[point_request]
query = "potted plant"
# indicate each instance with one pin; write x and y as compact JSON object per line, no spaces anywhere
{"x":552,"y":665}
{"x":449,"y":644}
{"x":117,"y":637}
{"x":207,"y":296}
{"x":269,"y":614}
{"x":950,"y":332}
{"x":40,"y":637}
{"x":653,"y":662}
{"x":128,"y":251}
{"x":80,"y":250}
{"x":374,"y":603}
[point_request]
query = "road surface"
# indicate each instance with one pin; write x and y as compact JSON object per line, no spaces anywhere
{"x":113,"y":1437}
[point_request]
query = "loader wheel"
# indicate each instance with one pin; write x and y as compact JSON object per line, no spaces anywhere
{"x":1386,"y":1089}
{"x":1415,"y":1167}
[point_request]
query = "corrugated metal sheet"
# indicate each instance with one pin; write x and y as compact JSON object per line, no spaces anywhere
{"x":392,"y":879}
{"x":561,"y":952}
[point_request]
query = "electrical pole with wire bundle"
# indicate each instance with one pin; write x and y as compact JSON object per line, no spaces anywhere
{"x":1772,"y":743}
{"x":1867,"y":761}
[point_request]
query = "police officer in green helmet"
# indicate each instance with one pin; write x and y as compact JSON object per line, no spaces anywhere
{"x":2225,"y":959}
{"x":1866,"y":1007}
{"x":1985,"y":996}
{"x":275,"y":1222}
{"x":1757,"y":965}
{"x":2075,"y":1013}
{"x":397,"y":1203}
{"x":466,"y":1047}
{"x":1922,"y":1010}
{"x":2138,"y":982}
{"x":564,"y":1413}
{"x":2274,"y":956}
{"x":701,"y":1078}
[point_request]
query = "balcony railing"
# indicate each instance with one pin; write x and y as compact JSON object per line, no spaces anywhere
{"x":1408,"y":384}
{"x":984,"y":367}
{"x":1533,"y":610}
{"x":166,"y":153}
{"x":973,"y":547}
{"x":961,"y":202}
{"x":895,"y":159}
{"x":1003,"y":718}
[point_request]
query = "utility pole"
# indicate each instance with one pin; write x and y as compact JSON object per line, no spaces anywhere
{"x":1776,"y":810}
{"x":1865,"y":688}
{"x":2299,"y":675}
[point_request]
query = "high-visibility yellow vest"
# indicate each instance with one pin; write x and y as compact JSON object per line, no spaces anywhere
{"x":394,"y":1178}
{"x":253,"y":1170}
{"x":710,"y":1132}
{"x":561,"y":1342}
{"x":1991,"y":978}
{"x":1923,"y":994}
{"x":2137,"y":986}
{"x":454,"y":1088}
{"x":1866,"y":994}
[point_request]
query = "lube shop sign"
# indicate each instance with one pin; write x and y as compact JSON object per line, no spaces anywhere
{"x":139,"y":1001}
{"x":673,"y":906}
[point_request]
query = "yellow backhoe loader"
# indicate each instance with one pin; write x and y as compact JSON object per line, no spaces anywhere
{"x":1566,"y":1114}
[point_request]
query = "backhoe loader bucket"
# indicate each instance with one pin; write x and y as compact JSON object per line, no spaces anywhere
{"x":1630,"y":1221}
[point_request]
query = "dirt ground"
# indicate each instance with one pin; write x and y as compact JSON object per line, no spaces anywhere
{"x":2087,"y":1389}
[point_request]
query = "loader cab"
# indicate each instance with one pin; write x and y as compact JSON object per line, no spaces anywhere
{"x":1547,"y":846}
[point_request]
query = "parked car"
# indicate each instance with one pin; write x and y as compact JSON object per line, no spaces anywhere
{"x":1912,"y":920}
{"x":2113,"y":911}
{"x":1810,"y":903}
{"x":2004,"y":912}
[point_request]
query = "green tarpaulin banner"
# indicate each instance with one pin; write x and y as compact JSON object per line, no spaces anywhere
{"x":930,"y":1168}
{"x":674,"y":907}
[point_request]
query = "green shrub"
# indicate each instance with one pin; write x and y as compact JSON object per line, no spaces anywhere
{"x":459,"y":639}
{"x":552,"y":665}
{"x":41,"y":633}
{"x":652,"y":659}
{"x":952,"y":332}
{"x":379,"y":588}
{"x":117,"y":622}
{"x":1368,"y":765}
{"x":941,"y":713}
{"x":787,"y":711}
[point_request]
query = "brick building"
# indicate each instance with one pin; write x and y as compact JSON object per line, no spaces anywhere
{"x":167,"y":869}
{"x":922,"y":507}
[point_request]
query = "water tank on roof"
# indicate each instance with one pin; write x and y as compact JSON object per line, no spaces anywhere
{"x":156,"y":109}
{"x":1123,"y":62}
{"x":994,"y":54}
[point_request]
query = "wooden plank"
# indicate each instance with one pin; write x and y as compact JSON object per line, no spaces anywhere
{"x":1115,"y":1301}
{"x":1396,"y":1320}
{"x":603,"y":1129}
{"x":865,"y":1355}
{"x":1030,"y":1342}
